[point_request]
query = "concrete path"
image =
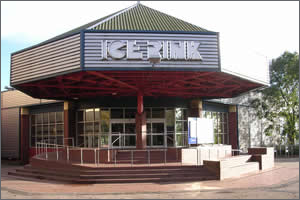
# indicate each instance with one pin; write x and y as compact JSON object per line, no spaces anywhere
{"x":282,"y":182}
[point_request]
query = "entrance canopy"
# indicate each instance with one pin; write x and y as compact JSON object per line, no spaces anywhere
{"x":88,"y":84}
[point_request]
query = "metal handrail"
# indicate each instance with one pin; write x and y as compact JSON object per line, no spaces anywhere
{"x":120,"y":136}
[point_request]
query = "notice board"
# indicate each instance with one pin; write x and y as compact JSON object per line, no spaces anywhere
{"x":200,"y":130}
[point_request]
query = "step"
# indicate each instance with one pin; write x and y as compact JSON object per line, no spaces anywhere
{"x":72,"y":166}
{"x":234,"y":161}
{"x":119,"y":180}
{"x":116,"y":176}
{"x":37,"y":176}
{"x":132,"y":170}
{"x":237,"y":171}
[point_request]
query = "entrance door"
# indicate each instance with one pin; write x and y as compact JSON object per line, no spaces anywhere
{"x":156,"y":133}
{"x":123,"y":134}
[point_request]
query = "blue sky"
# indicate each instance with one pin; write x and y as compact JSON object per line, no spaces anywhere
{"x":251,"y":33}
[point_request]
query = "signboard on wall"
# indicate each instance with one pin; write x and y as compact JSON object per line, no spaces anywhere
{"x":200,"y":130}
{"x":137,"y":50}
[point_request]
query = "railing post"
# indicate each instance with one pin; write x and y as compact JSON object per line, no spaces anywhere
{"x":131,"y":158}
{"x":35,"y":148}
{"x":68,"y":153}
{"x":56,"y":152}
{"x":218,"y":153}
{"x":208,"y":154}
{"x":81,"y":155}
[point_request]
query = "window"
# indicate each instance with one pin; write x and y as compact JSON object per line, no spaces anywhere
{"x":88,"y":127}
{"x":181,"y":127}
{"x":166,"y":127}
{"x":220,"y":119}
{"x":47,"y":127}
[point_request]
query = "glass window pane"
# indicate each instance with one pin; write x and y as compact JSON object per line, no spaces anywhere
{"x":185,"y":126}
{"x":148,"y":128}
{"x":225,"y":139}
{"x":158,"y":113}
{"x":39,"y":131}
{"x":45,"y":118}
{"x":178,"y":114}
{"x":216,"y":138}
{"x":80,"y":129}
{"x":115,"y":141}
{"x":60,"y":129}
{"x":185,"y":114}
{"x":33,"y":119}
{"x":179,"y":127}
{"x":39,"y":118}
{"x":179,"y":140}
{"x":105,"y":121}
{"x":170,"y":120}
{"x":52,"y":117}
{"x":96,"y":141}
{"x":52,"y":130}
{"x":148,"y":140}
{"x":130,"y":128}
{"x":130,"y":140}
{"x":96,"y":128}
{"x":158,"y":140}
{"x":158,"y":128}
{"x":32,"y":141}
{"x":45,"y":130}
{"x":104,"y":140}
{"x":117,"y":128}
{"x":117,"y":113}
{"x":130,"y":113}
{"x":97,"y":114}
{"x":59,"y":117}
{"x":59,"y":140}
{"x":148,"y":113}
{"x":89,"y":129}
{"x":80,"y":116}
{"x":33,"y":136}
{"x":170,"y":140}
{"x":89,"y":114}
{"x":220,"y":139}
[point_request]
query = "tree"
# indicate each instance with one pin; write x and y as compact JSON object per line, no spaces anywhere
{"x":279,"y":103}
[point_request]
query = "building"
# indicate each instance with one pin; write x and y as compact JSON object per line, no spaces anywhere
{"x":129,"y":80}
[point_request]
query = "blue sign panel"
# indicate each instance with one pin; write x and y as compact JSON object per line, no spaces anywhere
{"x":192,"y":130}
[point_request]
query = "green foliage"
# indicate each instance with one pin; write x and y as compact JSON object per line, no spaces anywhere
{"x":280,"y":101}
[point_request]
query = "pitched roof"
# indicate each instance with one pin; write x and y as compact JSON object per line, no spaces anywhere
{"x":139,"y":18}
{"x":142,"y":18}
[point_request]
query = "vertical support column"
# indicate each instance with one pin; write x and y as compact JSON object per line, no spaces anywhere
{"x":233,"y":126}
{"x":25,"y":135}
{"x":140,"y":124}
{"x":195,"y":109}
{"x":66,"y":122}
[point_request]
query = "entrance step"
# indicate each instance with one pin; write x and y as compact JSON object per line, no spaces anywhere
{"x":68,"y":172}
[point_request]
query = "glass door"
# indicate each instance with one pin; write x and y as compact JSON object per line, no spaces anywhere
{"x":117,"y":133}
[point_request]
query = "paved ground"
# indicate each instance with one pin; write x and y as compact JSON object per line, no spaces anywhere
{"x":282,"y":182}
